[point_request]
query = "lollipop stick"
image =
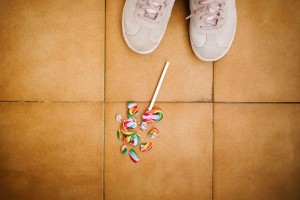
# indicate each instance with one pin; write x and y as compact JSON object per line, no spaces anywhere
{"x":159,"y":85}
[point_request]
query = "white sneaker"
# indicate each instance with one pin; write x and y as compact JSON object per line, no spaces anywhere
{"x":144,"y":23}
{"x":212,"y":27}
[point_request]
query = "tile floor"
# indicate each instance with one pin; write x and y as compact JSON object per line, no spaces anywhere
{"x":231,"y":128}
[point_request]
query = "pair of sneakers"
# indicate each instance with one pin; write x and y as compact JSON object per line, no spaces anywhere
{"x":212,"y":25}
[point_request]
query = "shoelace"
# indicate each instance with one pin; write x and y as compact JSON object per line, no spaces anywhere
{"x":151,"y":8}
{"x":211,"y":15}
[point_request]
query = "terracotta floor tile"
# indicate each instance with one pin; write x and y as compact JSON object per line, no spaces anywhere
{"x":263,"y":64}
{"x":51,"y":151}
{"x":179,"y":166}
{"x":256,"y":151}
{"x":130,"y":76}
{"x":52,"y":50}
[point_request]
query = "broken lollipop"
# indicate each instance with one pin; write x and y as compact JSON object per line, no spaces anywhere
{"x":153,"y":114}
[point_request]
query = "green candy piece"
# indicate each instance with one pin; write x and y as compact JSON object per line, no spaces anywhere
{"x":124,"y":149}
{"x":119,"y":134}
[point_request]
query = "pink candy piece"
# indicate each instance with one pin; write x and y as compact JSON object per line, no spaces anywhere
{"x":129,"y":123}
{"x":153,"y":115}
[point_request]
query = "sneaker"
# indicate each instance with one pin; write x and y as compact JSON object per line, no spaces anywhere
{"x":144,"y":23}
{"x":212,"y":27}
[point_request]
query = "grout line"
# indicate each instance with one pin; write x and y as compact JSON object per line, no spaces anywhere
{"x":213,"y":152}
{"x":104,"y":107}
{"x":103,"y":151}
{"x":220,"y":102}
{"x":213,"y":128}
{"x":162,"y":101}
{"x":213,"y":83}
{"x":51,"y":101}
{"x":214,"y":102}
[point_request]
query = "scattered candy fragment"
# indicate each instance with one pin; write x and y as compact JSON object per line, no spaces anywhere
{"x":119,"y":134}
{"x":132,"y":108}
{"x":143,"y":126}
{"x":129,"y":123}
{"x":126,"y":131}
{"x":153,"y":115}
{"x":127,"y":134}
{"x":132,"y":139}
{"x":127,"y":139}
{"x":135,"y":140}
{"x":146,"y":146}
{"x":118,"y":118}
{"x":133,"y":155}
{"x":154,"y":133}
{"x":124,"y":149}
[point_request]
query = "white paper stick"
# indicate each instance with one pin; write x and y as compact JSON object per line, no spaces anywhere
{"x":159,"y":85}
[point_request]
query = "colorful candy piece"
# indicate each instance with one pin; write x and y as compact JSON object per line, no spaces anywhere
{"x":143,"y":126}
{"x":124,"y":149}
{"x":128,"y":124}
{"x":132,"y":139}
{"x":146,"y":146}
{"x":135,"y":140}
{"x":153,"y":115}
{"x":132,"y":108}
{"x":127,"y":139}
{"x":126,"y":131}
{"x":154,"y":133}
{"x":118,"y":118}
{"x":119,"y":134}
{"x":158,"y":114}
{"x":133,"y":155}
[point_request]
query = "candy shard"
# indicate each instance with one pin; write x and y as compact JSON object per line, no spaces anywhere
{"x":119,"y":134}
{"x":135,"y":140}
{"x":127,"y":139}
{"x":126,"y":131}
{"x":143,"y":126}
{"x":118,"y":118}
{"x":124,"y":149}
{"x":132,"y":108}
{"x":127,"y":124}
{"x":132,"y":139}
{"x":146,"y":146}
{"x":154,"y":133}
{"x":133,"y":155}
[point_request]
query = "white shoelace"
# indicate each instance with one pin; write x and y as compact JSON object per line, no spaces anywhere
{"x":209,"y":13}
{"x":151,"y":8}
